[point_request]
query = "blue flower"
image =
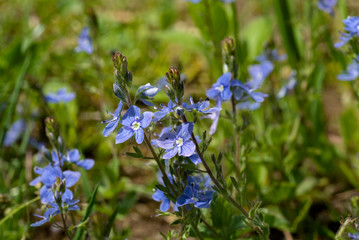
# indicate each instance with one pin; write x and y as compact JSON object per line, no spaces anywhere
{"x":195,"y":159}
{"x":202,"y":107}
{"x":215,"y":117}
{"x":178,"y":142}
{"x":198,"y":1}
{"x":84,"y":42}
{"x":49,"y":175}
{"x":133,"y":123}
{"x":327,"y":5}
{"x":351,"y":28}
{"x":193,"y":194}
{"x":112,"y":123}
{"x":259,"y":72}
{"x":221,"y":89}
{"x":51,"y":212}
{"x":240,"y":89}
{"x":73,"y":156}
{"x":353,"y":236}
{"x":60,"y":96}
{"x":157,"y":116}
{"x":352,"y":71}
{"x":248,"y":105}
{"x":147,"y":92}
{"x":163,"y":131}
{"x":15,"y":131}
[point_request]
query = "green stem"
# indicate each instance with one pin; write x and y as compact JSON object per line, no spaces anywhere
{"x":210,"y":227}
{"x":162,"y":168}
{"x":64,"y":223}
{"x":198,"y":233}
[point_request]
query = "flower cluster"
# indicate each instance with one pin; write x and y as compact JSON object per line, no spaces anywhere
{"x":352,"y":71}
{"x":55,"y":192}
{"x":352,"y":31}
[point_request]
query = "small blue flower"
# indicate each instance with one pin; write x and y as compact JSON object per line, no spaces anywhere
{"x":157,"y":116}
{"x":198,"y":1}
{"x":84,"y":42}
{"x":259,"y":72}
{"x":221,"y":89}
{"x":202,"y":107}
{"x":271,"y":55}
{"x":163,"y":131}
{"x":133,"y":123}
{"x":73,"y":156}
{"x":14,"y":132}
{"x":352,"y":71}
{"x":178,"y":142}
{"x":195,"y":159}
{"x":240,"y":89}
{"x":48,"y":178}
{"x":352,"y":30}
{"x":327,"y":5}
{"x":147,"y":92}
{"x":248,"y":105}
{"x":112,"y":123}
{"x":60,"y":96}
{"x":353,"y":236}
{"x":51,"y":212}
{"x":193,"y":194}
{"x":215,"y":117}
{"x":159,"y":195}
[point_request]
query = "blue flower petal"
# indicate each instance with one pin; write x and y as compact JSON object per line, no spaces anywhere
{"x":145,"y":119}
{"x":124,"y":134}
{"x":71,"y":177}
{"x":165,"y":205}
{"x":187,"y":149}
{"x":171,"y":153}
{"x":139,"y":136}
{"x":87,"y":164}
{"x":130,"y":116}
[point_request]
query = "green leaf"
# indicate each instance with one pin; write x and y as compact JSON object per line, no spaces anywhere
{"x":91,"y":203}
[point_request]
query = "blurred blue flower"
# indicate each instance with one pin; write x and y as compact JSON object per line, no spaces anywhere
{"x":133,"y":123}
{"x":292,"y":82}
{"x":271,"y":55}
{"x":147,"y":92}
{"x":248,"y":105}
{"x":353,"y":236}
{"x":224,"y":1}
{"x":60,"y":96}
{"x":14,"y":132}
{"x":84,"y":41}
{"x":112,"y":123}
{"x":202,"y":107}
{"x":157,"y":116}
{"x":51,"y":212}
{"x":178,"y":142}
{"x":215,"y":117}
{"x":193,"y":194}
{"x":352,"y":71}
{"x":221,"y":89}
{"x":248,"y":88}
{"x":352,"y":30}
{"x":73,"y":156}
{"x":259,"y":72}
{"x":327,"y":5}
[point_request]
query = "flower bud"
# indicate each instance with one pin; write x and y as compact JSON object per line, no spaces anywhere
{"x":52,"y":131}
{"x":228,"y":47}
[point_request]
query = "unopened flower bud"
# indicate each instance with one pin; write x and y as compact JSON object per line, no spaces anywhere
{"x":228,"y":46}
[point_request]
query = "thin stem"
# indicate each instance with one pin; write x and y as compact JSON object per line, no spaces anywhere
{"x":198,"y":233}
{"x":162,"y":169}
{"x":236,"y":136}
{"x":221,"y":188}
{"x":65,"y":225}
{"x":210,"y":227}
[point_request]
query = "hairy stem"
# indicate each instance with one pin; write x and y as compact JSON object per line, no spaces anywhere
{"x":64,"y":223}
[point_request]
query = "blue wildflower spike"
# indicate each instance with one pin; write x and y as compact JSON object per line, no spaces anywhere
{"x":60,"y":96}
{"x":84,"y":42}
{"x":221,"y":89}
{"x":352,"y":30}
{"x":112,"y":123}
{"x":193,"y":194}
{"x":133,"y":124}
{"x":14,"y":132}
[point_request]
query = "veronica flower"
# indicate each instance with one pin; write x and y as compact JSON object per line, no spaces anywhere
{"x":14,"y":132}
{"x":353,"y":236}
{"x":133,"y":124}
{"x":157,"y":116}
{"x":193,"y":194}
{"x":73,"y":156}
{"x":147,"y":92}
{"x":60,"y":96}
{"x":248,"y":105}
{"x":84,"y":41}
{"x":178,"y":142}
{"x":221,"y":89}
{"x":202,"y":107}
{"x":51,"y":212}
{"x":48,"y":178}
{"x":249,"y":88}
{"x":224,"y":1}
{"x":259,"y":72}
{"x":327,"y":5}
{"x":112,"y":123}
{"x":351,"y":28}
{"x":195,"y":159}
{"x":271,"y":55}
{"x":352,"y":71}
{"x":163,"y":131}
{"x":215,"y":117}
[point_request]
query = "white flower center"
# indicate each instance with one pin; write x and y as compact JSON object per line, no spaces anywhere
{"x":136,"y":125}
{"x":220,"y":88}
{"x":195,"y":199}
{"x":179,"y":142}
